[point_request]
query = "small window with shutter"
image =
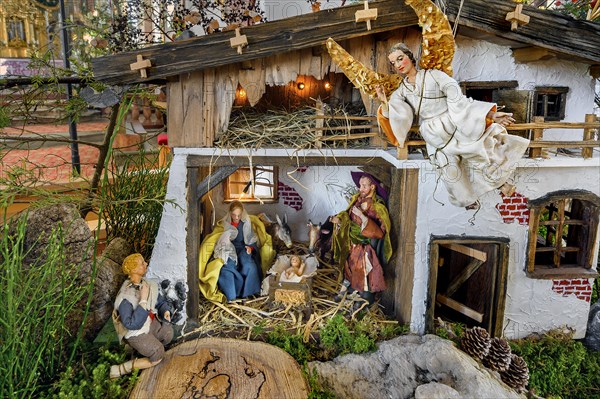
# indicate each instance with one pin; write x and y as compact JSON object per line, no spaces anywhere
{"x":562,"y":234}
{"x":257,"y":184}
{"x":550,"y":102}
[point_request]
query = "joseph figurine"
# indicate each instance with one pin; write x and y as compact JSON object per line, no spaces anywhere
{"x":362,"y":242}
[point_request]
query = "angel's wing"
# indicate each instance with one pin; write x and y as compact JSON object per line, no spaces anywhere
{"x":363,"y":78}
{"x":438,"y":40}
{"x":438,"y":51}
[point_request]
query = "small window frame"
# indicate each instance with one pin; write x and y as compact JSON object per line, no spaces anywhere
{"x":249,"y":183}
{"x":494,"y":85}
{"x":575,"y":214}
{"x":543,"y":93}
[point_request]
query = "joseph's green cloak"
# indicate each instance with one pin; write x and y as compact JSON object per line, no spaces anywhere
{"x":343,"y":238}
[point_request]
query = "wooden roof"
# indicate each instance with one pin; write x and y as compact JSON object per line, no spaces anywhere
{"x":579,"y":39}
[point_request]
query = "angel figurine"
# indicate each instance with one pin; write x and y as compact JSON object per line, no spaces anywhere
{"x":466,"y":140}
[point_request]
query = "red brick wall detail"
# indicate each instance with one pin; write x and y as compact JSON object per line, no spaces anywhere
{"x":290,"y":196}
{"x":514,"y":208}
{"x":580,"y":287}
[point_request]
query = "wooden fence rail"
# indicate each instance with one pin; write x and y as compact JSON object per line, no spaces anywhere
{"x":533,"y":130}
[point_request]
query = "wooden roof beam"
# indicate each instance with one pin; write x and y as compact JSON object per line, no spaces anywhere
{"x":547,"y":30}
{"x":276,"y":37}
{"x":531,"y":54}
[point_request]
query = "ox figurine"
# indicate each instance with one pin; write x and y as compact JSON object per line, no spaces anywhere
{"x":314,"y":232}
{"x":319,"y":238}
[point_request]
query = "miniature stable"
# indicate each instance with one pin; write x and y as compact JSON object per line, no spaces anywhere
{"x":505,"y":268}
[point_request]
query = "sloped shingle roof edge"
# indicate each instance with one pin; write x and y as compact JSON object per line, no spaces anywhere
{"x":549,"y":30}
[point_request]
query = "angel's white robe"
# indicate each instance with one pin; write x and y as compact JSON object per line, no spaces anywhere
{"x":471,"y":157}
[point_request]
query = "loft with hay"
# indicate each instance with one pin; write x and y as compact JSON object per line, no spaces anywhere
{"x":280,"y":127}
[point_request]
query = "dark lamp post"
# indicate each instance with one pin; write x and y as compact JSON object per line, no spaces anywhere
{"x":75,"y":161}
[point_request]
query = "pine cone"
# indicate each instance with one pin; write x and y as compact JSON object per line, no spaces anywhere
{"x":476,"y":342}
{"x":499,"y":356}
{"x":517,"y":374}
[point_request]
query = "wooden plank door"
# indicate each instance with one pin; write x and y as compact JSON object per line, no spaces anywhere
{"x":467,"y":282}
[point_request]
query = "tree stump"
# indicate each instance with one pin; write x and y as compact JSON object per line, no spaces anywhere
{"x":223,"y":368}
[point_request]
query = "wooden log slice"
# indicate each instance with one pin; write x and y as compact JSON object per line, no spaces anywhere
{"x":222,"y":368}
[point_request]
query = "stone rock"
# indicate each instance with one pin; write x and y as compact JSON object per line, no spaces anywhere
{"x":592,"y":336}
{"x":109,"y":278}
{"x":435,"y":390}
{"x":117,"y":250}
{"x":401,"y":365}
{"x":78,"y":248}
{"x":77,"y":237}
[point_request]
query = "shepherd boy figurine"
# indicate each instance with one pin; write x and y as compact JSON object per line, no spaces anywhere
{"x":137,"y":308}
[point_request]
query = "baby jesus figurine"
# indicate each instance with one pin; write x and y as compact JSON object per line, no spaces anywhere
{"x":297,"y":266}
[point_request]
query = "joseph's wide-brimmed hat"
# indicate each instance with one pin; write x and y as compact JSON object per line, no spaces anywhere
{"x":381,"y":191}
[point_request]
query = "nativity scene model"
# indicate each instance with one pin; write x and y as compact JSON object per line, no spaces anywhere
{"x":429,"y":160}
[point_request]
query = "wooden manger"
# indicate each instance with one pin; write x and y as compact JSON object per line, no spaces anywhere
{"x":290,"y":293}
{"x":295,"y":291}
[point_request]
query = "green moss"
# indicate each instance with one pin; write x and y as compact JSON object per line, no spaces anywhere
{"x":390,"y":331}
{"x":338,"y":339}
{"x":291,"y":343}
{"x":442,"y":332}
{"x":560,"y":367}
{"x":317,"y":391}
{"x":363,"y":343}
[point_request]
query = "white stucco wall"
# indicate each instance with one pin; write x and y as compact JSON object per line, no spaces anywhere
{"x":531,"y":305}
{"x":169,"y":256}
{"x":322,"y":191}
{"x":477,"y":60}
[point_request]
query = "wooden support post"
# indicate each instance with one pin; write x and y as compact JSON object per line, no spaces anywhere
{"x":402,"y":152}
{"x":193,"y":234}
{"x":533,"y":234}
{"x":239,"y":41}
{"x":517,"y":17}
{"x":588,"y":135}
{"x":537,"y":134}
{"x":140,"y":65}
{"x":319,"y":123}
{"x":403,"y":215}
{"x":367,"y":15}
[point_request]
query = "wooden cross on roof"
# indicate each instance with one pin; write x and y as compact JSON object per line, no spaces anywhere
{"x":517,"y":17}
{"x":239,"y":41}
{"x":368,"y":15}
{"x":140,"y":65}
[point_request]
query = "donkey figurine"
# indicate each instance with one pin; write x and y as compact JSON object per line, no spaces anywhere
{"x":279,"y":230}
